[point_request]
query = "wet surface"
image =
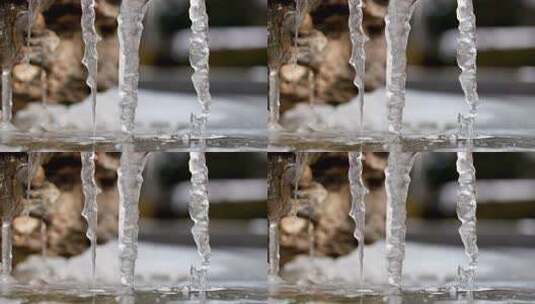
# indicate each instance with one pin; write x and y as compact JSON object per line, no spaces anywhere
{"x":260,"y":292}
{"x":249,"y":140}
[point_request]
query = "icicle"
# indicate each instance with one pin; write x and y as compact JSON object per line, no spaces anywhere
{"x":467,"y":53}
{"x":358,"y":54}
{"x":130,"y":29}
{"x":397,"y":187}
{"x":466,"y":212}
{"x":466,"y":204}
{"x":397,"y":34}
{"x":7,"y":250}
{"x":273,"y":252}
{"x":198,"y":210}
{"x":90,"y":210}
{"x":130,"y":179}
{"x":7,"y":100}
{"x":90,"y":59}
{"x":199,"y":205}
{"x":358,"y":204}
{"x":200,"y":53}
{"x":274,"y":99}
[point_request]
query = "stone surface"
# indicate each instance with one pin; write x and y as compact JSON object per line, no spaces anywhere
{"x":56,"y":50}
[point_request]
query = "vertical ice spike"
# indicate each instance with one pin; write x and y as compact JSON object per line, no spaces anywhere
{"x":397,"y":35}
{"x":358,"y":53}
{"x":90,"y":59}
{"x":358,"y":203}
{"x":199,"y":204}
{"x":130,"y":30}
{"x":90,"y":210}
{"x":198,"y":209}
{"x":130,"y":180}
{"x":397,"y":187}
{"x":466,"y":202}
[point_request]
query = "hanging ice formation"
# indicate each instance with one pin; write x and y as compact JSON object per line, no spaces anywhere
{"x":130,"y":29}
{"x":397,"y":187}
{"x":199,"y":204}
{"x":466,"y":204}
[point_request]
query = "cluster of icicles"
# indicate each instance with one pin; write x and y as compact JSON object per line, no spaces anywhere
{"x":400,"y":162}
{"x":397,"y":173}
{"x":132,"y":162}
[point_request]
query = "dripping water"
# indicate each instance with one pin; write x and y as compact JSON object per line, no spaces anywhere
{"x":199,"y":204}
{"x":129,"y":182}
{"x":358,"y":204}
{"x":466,"y":203}
{"x":130,"y":29}
{"x":397,"y":34}
{"x":397,"y":183}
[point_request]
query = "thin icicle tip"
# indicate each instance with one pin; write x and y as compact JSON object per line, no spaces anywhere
{"x":358,"y":203}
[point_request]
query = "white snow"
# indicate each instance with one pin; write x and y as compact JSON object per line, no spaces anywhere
{"x":427,"y":265}
{"x":156,"y":110}
{"x":424,"y":111}
{"x":156,"y":263}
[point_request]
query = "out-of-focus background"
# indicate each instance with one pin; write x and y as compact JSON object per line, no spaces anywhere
{"x":505,"y":195}
{"x":506,"y":46}
{"x":237,"y":193}
{"x":237,"y":37}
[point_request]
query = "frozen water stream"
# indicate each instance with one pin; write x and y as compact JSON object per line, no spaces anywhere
{"x":129,"y":182}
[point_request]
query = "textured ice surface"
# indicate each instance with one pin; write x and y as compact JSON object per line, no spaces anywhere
{"x":397,"y":183}
{"x":397,"y":31}
{"x":130,"y":179}
{"x":90,"y":59}
{"x":466,"y":212}
{"x":130,"y":29}
{"x":358,"y":53}
{"x":358,"y":204}
{"x":199,"y":213}
{"x":90,"y":210}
